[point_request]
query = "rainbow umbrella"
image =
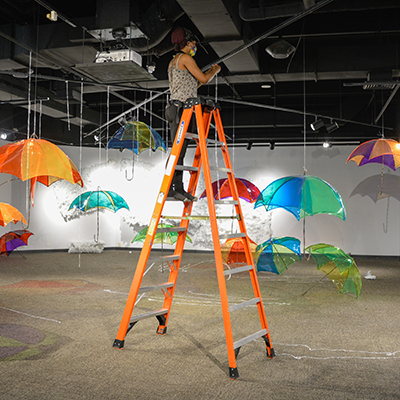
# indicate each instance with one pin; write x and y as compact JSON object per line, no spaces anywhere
{"x":12,"y":240}
{"x":381,"y":151}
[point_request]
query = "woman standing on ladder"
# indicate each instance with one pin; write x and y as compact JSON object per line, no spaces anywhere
{"x":184,"y":78}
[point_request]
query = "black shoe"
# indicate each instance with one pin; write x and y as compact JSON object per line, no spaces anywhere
{"x":177,"y":196}
{"x":188,"y":195}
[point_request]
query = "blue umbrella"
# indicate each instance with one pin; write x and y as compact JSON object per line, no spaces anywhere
{"x":276,"y":254}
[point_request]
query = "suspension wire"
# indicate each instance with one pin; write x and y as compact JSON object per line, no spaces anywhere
{"x":80,"y":162}
{"x":108,"y":118}
{"x":68,"y":119}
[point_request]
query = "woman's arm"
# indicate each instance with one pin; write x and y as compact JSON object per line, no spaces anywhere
{"x":190,"y":64}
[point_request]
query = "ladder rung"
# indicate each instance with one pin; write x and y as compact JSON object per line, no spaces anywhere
{"x":238,"y":269}
{"x":185,"y":168}
{"x":173,"y":229}
{"x":249,"y":338}
{"x":149,"y":314}
{"x":212,"y":168}
{"x":200,"y":217}
{"x":245,"y":304}
{"x":156,"y":286}
{"x":232,"y":202}
{"x":194,"y":136}
{"x":164,"y":258}
{"x":232,"y":235}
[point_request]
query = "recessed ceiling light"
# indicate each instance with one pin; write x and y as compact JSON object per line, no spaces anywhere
{"x":265,"y":86}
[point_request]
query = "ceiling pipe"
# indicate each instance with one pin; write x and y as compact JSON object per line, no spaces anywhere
{"x":248,"y":13}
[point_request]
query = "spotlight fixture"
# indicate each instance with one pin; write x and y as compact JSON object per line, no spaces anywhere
{"x":249,"y":145}
{"x":151,"y":67}
{"x":318,"y":124}
{"x":272,"y":145}
{"x":332,"y":126}
{"x":280,"y":50}
{"x":326,"y":145}
{"x":96,"y":138}
{"x":3,"y":136}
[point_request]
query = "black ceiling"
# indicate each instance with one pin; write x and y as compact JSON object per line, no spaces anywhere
{"x":344,"y":67}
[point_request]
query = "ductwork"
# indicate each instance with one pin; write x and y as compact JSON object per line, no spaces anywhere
{"x":156,"y":23}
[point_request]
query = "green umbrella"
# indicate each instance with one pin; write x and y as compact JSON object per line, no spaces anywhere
{"x":338,"y":266}
{"x":160,"y":237}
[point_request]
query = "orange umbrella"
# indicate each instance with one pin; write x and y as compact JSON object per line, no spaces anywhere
{"x":38,"y":160}
{"x":8,"y":214}
{"x":12,"y":240}
{"x":233,"y":250}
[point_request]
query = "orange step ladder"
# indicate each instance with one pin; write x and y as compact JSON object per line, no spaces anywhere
{"x":205,"y":111}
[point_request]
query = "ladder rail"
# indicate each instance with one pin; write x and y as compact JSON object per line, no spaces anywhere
{"x":151,"y":232}
{"x":217,"y":247}
{"x":235,"y":195}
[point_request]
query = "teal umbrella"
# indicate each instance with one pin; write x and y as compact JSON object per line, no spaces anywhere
{"x":302,"y":196}
{"x":96,"y":200}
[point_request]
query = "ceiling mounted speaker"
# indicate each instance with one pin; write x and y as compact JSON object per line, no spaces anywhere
{"x":280,"y":50}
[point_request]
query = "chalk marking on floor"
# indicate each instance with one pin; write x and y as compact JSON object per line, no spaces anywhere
{"x":30,"y":315}
{"x":375,"y":355}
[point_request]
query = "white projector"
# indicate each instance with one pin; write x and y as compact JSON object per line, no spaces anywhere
{"x":118,"y":56}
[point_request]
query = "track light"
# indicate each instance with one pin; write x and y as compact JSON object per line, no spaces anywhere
{"x":249,"y":145}
{"x":326,"y":145}
{"x":332,"y":126}
{"x":272,"y":145}
{"x":318,"y":124}
{"x":3,"y":136}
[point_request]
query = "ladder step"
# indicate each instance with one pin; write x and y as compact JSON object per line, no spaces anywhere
{"x":213,"y":168}
{"x":238,"y":269}
{"x":155,"y":313}
{"x":232,"y":235}
{"x":194,"y":136}
{"x":249,"y":339}
{"x":185,"y":168}
{"x":165,"y":285}
{"x":163,"y":258}
{"x":199,"y":217}
{"x":173,"y":229}
{"x":232,"y":202}
{"x":244,"y":304}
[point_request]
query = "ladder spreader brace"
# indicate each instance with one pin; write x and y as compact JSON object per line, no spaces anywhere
{"x":204,"y":110}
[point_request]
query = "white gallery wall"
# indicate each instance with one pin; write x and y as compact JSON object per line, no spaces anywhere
{"x":371,"y":228}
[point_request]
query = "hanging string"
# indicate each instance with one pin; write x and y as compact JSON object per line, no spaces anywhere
{"x":304,"y":108}
{"x":80,"y":163}
{"x":29,"y":96}
{"x":68,"y":119}
{"x":108,"y":120}
{"x":40,"y":118}
{"x":151,"y":123}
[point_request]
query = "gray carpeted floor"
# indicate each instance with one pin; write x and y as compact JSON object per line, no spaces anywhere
{"x":60,"y":312}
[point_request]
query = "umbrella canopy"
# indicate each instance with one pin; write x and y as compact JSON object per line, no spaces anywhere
{"x":338,"y":266}
{"x":12,"y":240}
{"x":38,"y":160}
{"x":379,"y":187}
{"x":99,"y":199}
{"x":302,"y":196}
{"x":8,"y":214}
{"x":233,"y":250}
{"x":160,"y":237}
{"x":276,"y":254}
{"x":381,"y":151}
{"x":246,"y":190}
{"x":137,"y":136}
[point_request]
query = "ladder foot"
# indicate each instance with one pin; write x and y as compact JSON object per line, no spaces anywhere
{"x":161,"y":331}
{"x":118,"y":344}
{"x":270,"y":353}
{"x":233,"y":373}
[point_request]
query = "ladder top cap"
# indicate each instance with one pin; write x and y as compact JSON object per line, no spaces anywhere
{"x":205,"y":101}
